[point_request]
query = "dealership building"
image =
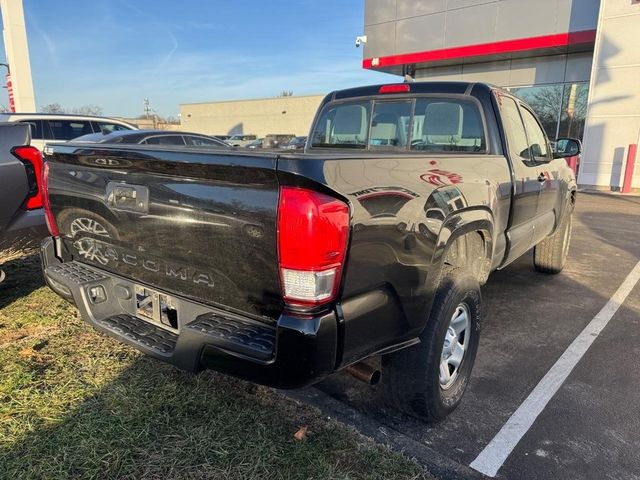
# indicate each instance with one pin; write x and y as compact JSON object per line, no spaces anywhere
{"x":262,"y":116}
{"x":577,"y":62}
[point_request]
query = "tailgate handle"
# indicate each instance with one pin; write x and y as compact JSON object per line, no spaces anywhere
{"x":130,"y":198}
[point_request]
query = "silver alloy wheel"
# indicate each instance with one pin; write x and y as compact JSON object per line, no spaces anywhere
{"x":88,"y":225}
{"x":456,"y":341}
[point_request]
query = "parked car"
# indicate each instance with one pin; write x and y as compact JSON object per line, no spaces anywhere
{"x":222,"y":137}
{"x":255,"y":144}
{"x":283,"y":269}
{"x":58,"y":128}
{"x":276,"y":140}
{"x":22,"y":220}
{"x":155,"y":137}
{"x":241,"y":140}
{"x":296,"y":143}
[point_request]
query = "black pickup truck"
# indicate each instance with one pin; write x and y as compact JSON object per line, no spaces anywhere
{"x":284,"y":268}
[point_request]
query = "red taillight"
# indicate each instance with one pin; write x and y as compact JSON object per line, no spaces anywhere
{"x":44,"y":187}
{"x":313,"y":229}
{"x":397,"y":88}
{"x":32,"y":158}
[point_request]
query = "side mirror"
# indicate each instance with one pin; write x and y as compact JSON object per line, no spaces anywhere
{"x":567,"y":147}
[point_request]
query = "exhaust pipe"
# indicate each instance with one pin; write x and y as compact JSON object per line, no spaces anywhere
{"x":365,"y":373}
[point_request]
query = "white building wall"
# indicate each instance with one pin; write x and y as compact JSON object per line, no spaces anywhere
{"x":613,"y":116}
{"x":573,"y":67}
{"x":403,"y":26}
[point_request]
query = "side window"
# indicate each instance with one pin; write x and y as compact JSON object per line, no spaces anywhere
{"x":165,"y":140}
{"x":342,"y":126}
{"x":107,"y":128}
{"x":203,"y":142}
{"x":390,"y":124}
{"x":447,"y":125}
{"x":514,"y":128}
{"x":68,"y":129}
{"x":36,"y":129}
{"x":537,"y":140}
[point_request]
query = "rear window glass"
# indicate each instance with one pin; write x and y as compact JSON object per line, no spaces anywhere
{"x":447,"y":125}
{"x":165,"y":140}
{"x":36,"y":129}
{"x":343,"y":126}
{"x":206,"y":142}
{"x":390,"y":124}
{"x":436,"y":125}
{"x":68,"y":129}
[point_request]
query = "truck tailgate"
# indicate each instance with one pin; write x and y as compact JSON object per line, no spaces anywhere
{"x":192,"y":223}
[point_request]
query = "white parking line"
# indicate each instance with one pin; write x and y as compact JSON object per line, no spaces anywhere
{"x":496,"y":452}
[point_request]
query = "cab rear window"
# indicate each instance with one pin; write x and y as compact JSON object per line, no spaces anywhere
{"x":443,"y":125}
{"x":429,"y":124}
{"x":343,"y":126}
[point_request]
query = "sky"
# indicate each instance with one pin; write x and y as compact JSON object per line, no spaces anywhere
{"x":114,"y":53}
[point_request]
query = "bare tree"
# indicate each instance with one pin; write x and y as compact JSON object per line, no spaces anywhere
{"x":88,"y":110}
{"x":52,"y":108}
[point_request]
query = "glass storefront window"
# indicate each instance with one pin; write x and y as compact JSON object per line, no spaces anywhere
{"x":574,"y":110}
{"x":561,"y":108}
{"x":546,"y":102}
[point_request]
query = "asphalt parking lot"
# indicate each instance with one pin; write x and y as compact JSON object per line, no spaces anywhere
{"x":591,"y":427}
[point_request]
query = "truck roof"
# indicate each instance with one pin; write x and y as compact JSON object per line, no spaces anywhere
{"x":460,"y":88}
{"x":71,"y":116}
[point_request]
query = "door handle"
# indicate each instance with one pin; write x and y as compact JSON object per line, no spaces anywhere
{"x":542,"y":178}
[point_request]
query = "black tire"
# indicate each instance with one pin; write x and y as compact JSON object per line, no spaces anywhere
{"x":412,"y":375}
{"x":550,"y":255}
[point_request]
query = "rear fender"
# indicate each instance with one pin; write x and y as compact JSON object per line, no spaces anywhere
{"x":462,"y":223}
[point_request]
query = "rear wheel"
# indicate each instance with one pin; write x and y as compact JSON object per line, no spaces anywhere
{"x":428,"y":380}
{"x":550,"y":255}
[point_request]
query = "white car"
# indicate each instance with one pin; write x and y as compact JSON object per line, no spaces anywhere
{"x":59,"y":128}
{"x":241,"y":140}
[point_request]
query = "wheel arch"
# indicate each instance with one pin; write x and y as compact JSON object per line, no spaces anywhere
{"x":466,"y":237}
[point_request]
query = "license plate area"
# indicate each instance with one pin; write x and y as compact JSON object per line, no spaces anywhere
{"x":156,"y":307}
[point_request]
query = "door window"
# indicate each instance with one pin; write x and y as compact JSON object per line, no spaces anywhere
{"x":537,"y":140}
{"x":36,"y":129}
{"x":514,"y":128}
{"x":68,"y":129}
{"x":108,"y":128}
{"x":546,"y":101}
{"x":203,"y":142}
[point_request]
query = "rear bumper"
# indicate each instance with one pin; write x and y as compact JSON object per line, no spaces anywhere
{"x":292,"y":353}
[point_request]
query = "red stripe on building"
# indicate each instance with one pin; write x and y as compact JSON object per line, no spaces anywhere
{"x":485,"y":49}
